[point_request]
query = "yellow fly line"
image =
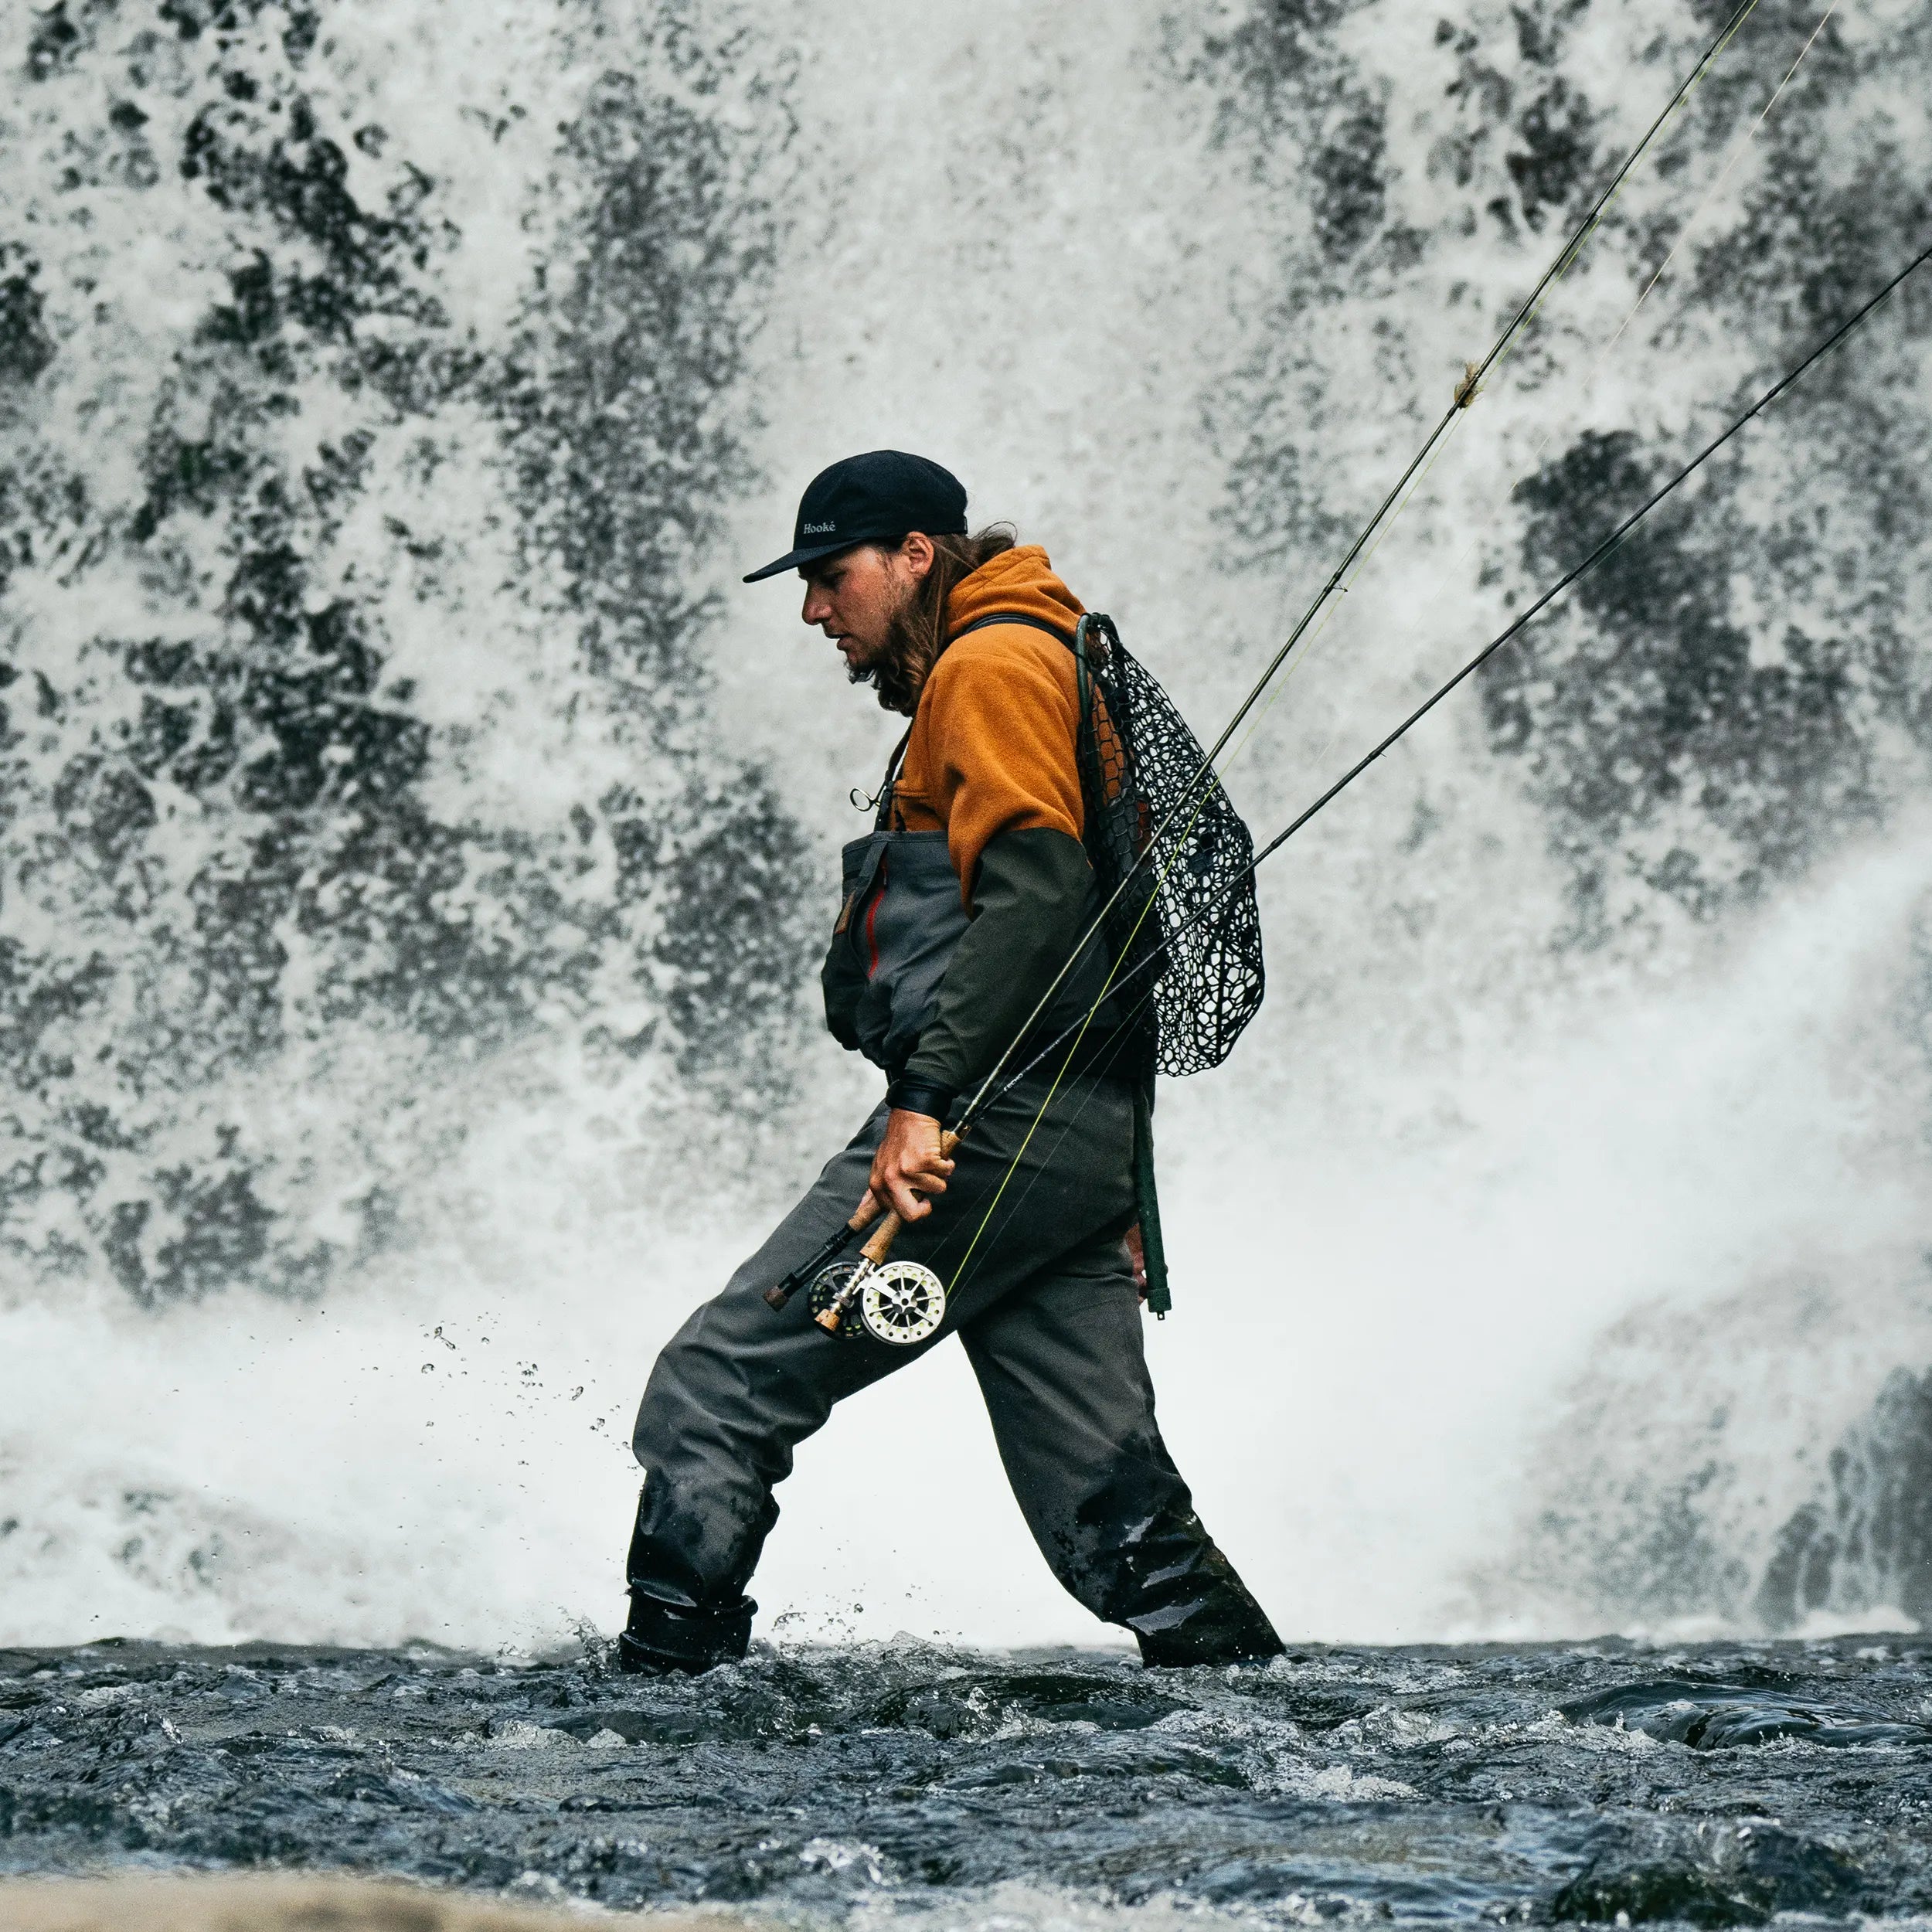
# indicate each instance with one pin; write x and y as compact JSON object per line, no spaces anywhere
{"x":1570,"y":576}
{"x":1262,"y":700}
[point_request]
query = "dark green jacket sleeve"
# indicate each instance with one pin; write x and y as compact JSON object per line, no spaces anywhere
{"x":1029,"y":900}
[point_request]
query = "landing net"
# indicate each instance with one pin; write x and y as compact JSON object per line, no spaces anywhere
{"x":1174,"y":863}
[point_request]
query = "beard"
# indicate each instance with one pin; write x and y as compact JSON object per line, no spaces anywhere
{"x":898,"y":670}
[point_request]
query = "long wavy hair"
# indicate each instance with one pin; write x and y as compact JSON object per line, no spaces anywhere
{"x":918,"y":633}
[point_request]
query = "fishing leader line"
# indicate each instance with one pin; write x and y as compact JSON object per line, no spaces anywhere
{"x":1590,"y":376}
{"x":1475,"y":664}
{"x":1392,"y":501}
{"x":1363,"y":551}
{"x":1731,"y":160}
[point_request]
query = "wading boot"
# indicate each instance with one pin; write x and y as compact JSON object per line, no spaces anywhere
{"x":663,"y":1637}
{"x":681,"y":1618}
{"x":1139,"y":1557}
{"x":1191,"y":1606}
{"x":1226,"y":1626}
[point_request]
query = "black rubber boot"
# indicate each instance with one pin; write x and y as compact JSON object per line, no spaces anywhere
{"x":1137,"y":1554}
{"x":662,"y":1637}
{"x":682,"y":1618}
{"x":1224,"y":1625}
{"x":1191,"y":1606}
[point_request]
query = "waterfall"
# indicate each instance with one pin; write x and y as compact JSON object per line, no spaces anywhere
{"x":418,"y":842}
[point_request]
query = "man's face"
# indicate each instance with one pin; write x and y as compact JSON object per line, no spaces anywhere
{"x":854,"y":597}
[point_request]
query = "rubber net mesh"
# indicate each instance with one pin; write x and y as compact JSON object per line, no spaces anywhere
{"x":1187,"y":922}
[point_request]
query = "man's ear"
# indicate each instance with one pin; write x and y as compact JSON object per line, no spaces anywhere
{"x":917,"y":550}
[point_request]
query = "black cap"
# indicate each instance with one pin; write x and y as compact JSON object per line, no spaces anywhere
{"x":873,"y":498}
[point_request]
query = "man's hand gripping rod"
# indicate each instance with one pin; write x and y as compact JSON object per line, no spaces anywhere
{"x":899,"y":1318}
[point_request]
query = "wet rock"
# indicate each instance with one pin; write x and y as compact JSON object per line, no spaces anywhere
{"x":1710,"y":1717}
{"x":1867,"y":1541}
{"x":288,"y":1903}
{"x":1716,"y":1874}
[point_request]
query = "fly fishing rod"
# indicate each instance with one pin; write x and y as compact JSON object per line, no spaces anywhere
{"x":838,"y":1292}
{"x":910,"y":1298}
{"x":1465,"y":393}
{"x":1482,"y":657}
{"x":889,"y":1300}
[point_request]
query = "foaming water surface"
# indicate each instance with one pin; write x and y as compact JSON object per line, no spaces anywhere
{"x":1710,"y":1785}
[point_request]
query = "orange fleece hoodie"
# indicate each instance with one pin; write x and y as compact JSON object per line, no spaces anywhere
{"x":992,"y":743}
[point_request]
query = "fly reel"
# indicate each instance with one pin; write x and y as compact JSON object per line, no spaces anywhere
{"x":900,"y":1303}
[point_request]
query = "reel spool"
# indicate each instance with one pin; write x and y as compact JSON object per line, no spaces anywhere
{"x":900,"y":1303}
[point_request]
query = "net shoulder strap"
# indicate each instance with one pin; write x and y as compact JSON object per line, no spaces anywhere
{"x":883,"y":799}
{"x":1012,"y":616}
{"x":1074,"y":640}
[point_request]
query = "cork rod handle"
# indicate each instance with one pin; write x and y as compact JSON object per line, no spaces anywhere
{"x":881,"y":1243}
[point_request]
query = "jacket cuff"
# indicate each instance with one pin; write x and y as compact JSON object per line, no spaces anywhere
{"x":919,"y":1096}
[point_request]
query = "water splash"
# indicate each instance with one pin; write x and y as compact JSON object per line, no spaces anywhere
{"x":358,"y":724}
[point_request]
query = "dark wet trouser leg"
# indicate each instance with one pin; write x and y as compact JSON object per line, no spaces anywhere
{"x":1061,"y":1365}
{"x":736,"y":1387}
{"x":740,"y":1384}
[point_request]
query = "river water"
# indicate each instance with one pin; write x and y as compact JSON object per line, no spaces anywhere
{"x":1709,"y":1784}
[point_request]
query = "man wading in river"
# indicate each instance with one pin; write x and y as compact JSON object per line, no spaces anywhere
{"x":971,"y":893}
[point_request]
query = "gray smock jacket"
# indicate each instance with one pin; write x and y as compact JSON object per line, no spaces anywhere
{"x":974,"y":889}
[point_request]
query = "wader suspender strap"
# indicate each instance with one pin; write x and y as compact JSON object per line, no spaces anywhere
{"x":884,"y":800}
{"x":1146,"y":1198}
